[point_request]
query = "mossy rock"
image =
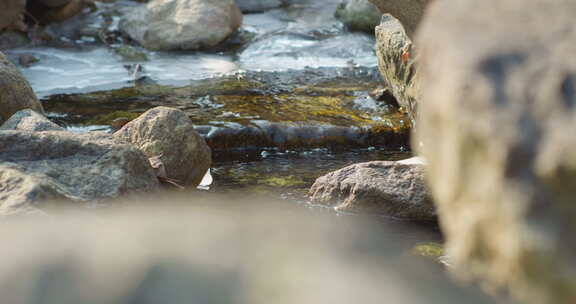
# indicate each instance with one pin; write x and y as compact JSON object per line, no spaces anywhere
{"x":255,"y":110}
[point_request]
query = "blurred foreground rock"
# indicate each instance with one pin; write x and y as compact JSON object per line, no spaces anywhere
{"x":250,"y":253}
{"x":182,"y":24}
{"x":15,"y":91}
{"x":389,"y":188}
{"x":36,"y":167}
{"x":169,"y":133}
{"x":497,"y":122}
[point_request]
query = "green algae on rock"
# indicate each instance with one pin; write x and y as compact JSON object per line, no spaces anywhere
{"x":287,"y":110}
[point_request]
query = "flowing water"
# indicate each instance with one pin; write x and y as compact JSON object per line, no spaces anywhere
{"x":298,"y":41}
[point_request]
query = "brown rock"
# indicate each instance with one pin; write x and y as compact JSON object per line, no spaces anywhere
{"x":497,"y":123}
{"x":10,"y":11}
{"x":169,"y":133}
{"x":15,"y":92}
{"x":381,"y":187}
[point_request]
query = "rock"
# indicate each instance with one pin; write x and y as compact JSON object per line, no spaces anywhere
{"x":256,"y":6}
{"x":497,"y":126}
{"x":409,"y":12}
{"x":52,"y":3}
{"x":56,"y":164}
{"x":397,"y":65}
{"x":182,"y":24}
{"x":10,"y":11}
{"x":214,"y":251}
{"x":170,"y":133}
{"x":29,"y":120}
{"x":130,"y":53}
{"x":59,"y":13}
{"x":26,"y":60}
{"x":380,"y":187}
{"x":359,"y":15}
{"x":15,"y":92}
{"x":12,"y":40}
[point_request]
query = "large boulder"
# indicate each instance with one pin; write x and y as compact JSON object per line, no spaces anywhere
{"x":15,"y":92}
{"x":169,"y":134}
{"x":182,"y":24}
{"x":255,"y":6}
{"x":358,"y":15}
{"x":38,"y":166}
{"x":497,"y":123}
{"x":409,"y":12}
{"x":29,"y":120}
{"x":397,"y":64}
{"x":10,"y":11}
{"x":380,"y":187}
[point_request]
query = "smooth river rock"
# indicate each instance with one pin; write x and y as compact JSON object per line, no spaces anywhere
{"x":389,"y":188}
{"x":397,"y":64}
{"x":409,"y":12}
{"x":29,"y":120}
{"x":359,"y":15}
{"x":497,"y":123}
{"x":182,"y":24}
{"x":169,"y":133}
{"x":15,"y":91}
{"x":36,"y":167}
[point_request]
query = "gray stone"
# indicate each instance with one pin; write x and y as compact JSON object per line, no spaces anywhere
{"x":29,"y":120}
{"x":381,"y":187}
{"x":497,"y":123}
{"x":397,"y":64}
{"x":409,"y":12}
{"x":170,"y":133}
{"x":37,"y":166}
{"x":359,"y":15}
{"x":182,"y":24}
{"x":256,"y":6}
{"x":15,"y":92}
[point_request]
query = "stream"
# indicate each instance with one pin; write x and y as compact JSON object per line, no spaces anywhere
{"x":279,"y":111}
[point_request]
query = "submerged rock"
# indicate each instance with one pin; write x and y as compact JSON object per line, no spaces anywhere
{"x":409,"y":12}
{"x":397,"y":65}
{"x":497,"y":123}
{"x":359,"y":15}
{"x":15,"y":92}
{"x":29,"y":120}
{"x":380,"y":187}
{"x":182,"y":24}
{"x":39,"y":166}
{"x":169,"y":134}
